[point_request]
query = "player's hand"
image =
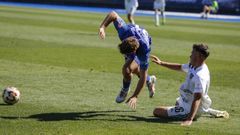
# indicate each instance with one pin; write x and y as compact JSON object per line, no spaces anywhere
{"x":132,"y":102}
{"x":102,"y":33}
{"x":186,"y":123}
{"x":155,"y":59}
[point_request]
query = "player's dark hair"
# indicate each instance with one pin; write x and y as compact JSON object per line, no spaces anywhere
{"x":202,"y":49}
{"x":128,"y":45}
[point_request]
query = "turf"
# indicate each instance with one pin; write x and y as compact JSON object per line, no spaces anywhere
{"x":69,"y":78}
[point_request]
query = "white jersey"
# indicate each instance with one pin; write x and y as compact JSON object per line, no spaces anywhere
{"x":131,"y":3}
{"x":197,"y":81}
{"x":159,"y":4}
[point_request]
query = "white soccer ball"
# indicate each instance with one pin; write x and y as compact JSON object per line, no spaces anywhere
{"x":11,"y":95}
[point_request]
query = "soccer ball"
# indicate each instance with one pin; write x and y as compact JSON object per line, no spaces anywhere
{"x":11,"y":95}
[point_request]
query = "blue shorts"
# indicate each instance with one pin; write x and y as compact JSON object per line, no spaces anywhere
{"x":135,"y":59}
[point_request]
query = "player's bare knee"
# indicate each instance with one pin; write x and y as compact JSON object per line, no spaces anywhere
{"x":113,"y":13}
{"x":127,"y":74}
{"x":126,"y":71}
{"x":157,"y":112}
{"x":160,"y":112}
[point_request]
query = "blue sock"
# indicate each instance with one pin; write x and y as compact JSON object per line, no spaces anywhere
{"x":126,"y":85}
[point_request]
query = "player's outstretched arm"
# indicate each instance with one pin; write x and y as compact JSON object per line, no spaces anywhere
{"x":132,"y":101}
{"x":195,"y":105}
{"x":112,"y":16}
{"x":173,"y":66}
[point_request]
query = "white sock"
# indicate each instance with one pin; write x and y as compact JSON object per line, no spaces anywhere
{"x":218,"y":113}
{"x":157,"y":19}
{"x":213,"y":111}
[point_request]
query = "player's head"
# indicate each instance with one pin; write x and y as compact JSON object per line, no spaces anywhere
{"x":199,"y":54}
{"x":129,"y":45}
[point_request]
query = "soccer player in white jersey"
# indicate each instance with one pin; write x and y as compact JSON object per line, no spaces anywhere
{"x":159,"y":5}
{"x":194,"y":99}
{"x":131,"y":7}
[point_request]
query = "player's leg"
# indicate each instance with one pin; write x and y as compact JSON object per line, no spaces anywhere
{"x":177,"y":112}
{"x":218,"y":113}
{"x":130,"y":19}
{"x":156,"y":17}
{"x":151,"y":80}
{"x":156,"y":6}
{"x":174,"y":112}
{"x":161,"y":112}
{"x":132,"y":68}
{"x":128,"y":11}
{"x":163,"y":16}
{"x":131,"y":13}
{"x":128,"y":69}
{"x":207,"y":11}
{"x":204,"y":13}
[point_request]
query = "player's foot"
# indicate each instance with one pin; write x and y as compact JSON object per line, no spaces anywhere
{"x":221,"y":114}
{"x":151,"y":86}
{"x":122,"y":96}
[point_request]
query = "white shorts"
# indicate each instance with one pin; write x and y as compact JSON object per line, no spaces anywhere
{"x":131,"y":9}
{"x":131,"y":6}
{"x":205,"y":104}
{"x":158,"y":5}
{"x":179,"y":111}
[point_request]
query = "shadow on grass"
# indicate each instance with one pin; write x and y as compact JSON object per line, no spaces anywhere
{"x":113,"y":115}
{"x":2,"y":104}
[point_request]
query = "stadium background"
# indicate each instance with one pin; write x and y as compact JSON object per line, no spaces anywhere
{"x":225,"y":6}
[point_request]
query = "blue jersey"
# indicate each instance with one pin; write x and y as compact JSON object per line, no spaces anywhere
{"x":129,"y":30}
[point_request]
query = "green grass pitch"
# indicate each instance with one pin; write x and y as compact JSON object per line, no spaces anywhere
{"x":69,"y":78}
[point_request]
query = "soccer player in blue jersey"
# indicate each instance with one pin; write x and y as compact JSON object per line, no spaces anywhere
{"x":135,"y":46}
